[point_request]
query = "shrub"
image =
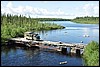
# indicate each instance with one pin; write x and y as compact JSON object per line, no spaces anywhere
{"x":91,"y":54}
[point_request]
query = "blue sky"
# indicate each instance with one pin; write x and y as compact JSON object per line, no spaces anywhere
{"x":51,"y":9}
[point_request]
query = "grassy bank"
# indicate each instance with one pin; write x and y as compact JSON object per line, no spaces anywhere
{"x":86,"y":20}
{"x":14,"y":26}
{"x":91,"y":54}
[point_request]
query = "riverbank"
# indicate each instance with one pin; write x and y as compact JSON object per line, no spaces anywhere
{"x":86,"y":20}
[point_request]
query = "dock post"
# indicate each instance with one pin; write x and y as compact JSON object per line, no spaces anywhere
{"x":78,"y":52}
{"x":64,"y":50}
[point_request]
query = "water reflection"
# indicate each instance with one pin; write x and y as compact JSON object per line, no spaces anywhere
{"x":34,"y":57}
{"x":6,"y":49}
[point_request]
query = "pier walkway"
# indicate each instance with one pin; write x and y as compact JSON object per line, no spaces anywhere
{"x":23,"y":40}
{"x":48,"y":44}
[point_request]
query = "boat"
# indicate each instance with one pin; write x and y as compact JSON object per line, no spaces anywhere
{"x":65,"y":62}
{"x":81,"y":41}
{"x":85,"y":35}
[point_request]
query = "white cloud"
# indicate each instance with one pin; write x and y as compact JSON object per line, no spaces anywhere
{"x":96,"y":10}
{"x":9,"y":4}
{"x":91,"y":10}
{"x":19,"y":9}
{"x":87,"y":10}
{"x":32,"y":11}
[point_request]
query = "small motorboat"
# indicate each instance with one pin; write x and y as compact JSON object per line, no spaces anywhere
{"x":85,"y":35}
{"x":65,"y":62}
{"x":81,"y":41}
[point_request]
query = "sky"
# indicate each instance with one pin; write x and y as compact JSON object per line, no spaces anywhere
{"x":51,"y":9}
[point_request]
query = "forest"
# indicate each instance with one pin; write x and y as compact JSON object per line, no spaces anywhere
{"x":15,"y":26}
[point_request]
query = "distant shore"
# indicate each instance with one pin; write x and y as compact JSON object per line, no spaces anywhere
{"x":86,"y":20}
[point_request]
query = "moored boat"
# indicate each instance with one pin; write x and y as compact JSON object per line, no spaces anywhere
{"x":63,"y":62}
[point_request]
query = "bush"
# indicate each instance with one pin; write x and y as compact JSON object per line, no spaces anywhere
{"x":91,"y":54}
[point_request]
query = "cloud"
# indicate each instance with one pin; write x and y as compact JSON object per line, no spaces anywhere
{"x":91,"y":10}
{"x":9,"y":5}
{"x":96,"y":10}
{"x":86,"y":10}
{"x":32,"y":11}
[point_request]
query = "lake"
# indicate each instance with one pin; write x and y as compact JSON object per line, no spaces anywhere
{"x":73,"y":33}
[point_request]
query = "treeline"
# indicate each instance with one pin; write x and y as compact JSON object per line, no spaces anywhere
{"x":86,"y":20}
{"x":91,"y":54}
{"x":51,"y":19}
{"x":14,"y":26}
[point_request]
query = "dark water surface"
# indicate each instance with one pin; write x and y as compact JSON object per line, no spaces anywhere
{"x":73,"y":33}
{"x":37,"y":57}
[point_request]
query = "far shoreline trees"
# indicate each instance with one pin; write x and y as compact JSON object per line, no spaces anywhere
{"x":86,"y":20}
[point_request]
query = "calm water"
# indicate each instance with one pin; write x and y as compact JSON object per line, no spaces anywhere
{"x":73,"y":33}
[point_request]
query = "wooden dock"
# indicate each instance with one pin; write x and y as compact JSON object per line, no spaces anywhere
{"x":47,"y":44}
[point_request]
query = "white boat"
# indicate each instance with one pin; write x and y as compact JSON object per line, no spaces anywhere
{"x":65,"y":62}
{"x":85,"y":35}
